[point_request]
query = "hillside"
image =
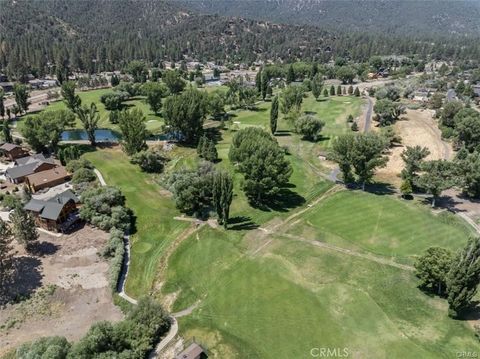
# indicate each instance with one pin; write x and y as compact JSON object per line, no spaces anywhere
{"x":94,"y":36}
{"x":433,"y":17}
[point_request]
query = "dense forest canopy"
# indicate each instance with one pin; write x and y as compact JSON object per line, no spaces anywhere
{"x":42,"y":36}
{"x":404,"y":17}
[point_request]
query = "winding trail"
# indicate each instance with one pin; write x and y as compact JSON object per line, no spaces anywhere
{"x":368,"y":115}
{"x":173,"y":331}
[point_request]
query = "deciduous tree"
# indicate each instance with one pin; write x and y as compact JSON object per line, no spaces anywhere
{"x":71,"y":100}
{"x":432,"y":268}
{"x":89,"y":118}
{"x":134,"y":131}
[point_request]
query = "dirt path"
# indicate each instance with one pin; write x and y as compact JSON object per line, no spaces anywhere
{"x":417,"y":128}
{"x":367,"y":256}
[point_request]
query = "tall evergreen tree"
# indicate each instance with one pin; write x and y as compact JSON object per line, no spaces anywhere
{"x":7,"y":268}
{"x":274,"y":115}
{"x":317,"y":84}
{"x":332,"y":90}
{"x":339,"y":90}
{"x":264,"y":84}
{"x":7,"y":136}
{"x":464,"y":277}
{"x":258,"y":81}
{"x":222,"y":195}
{"x":24,"y":230}
{"x":290,"y":74}
{"x":2,"y":104}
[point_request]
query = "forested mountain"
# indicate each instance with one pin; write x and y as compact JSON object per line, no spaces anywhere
{"x":43,"y":36}
{"x":410,"y":17}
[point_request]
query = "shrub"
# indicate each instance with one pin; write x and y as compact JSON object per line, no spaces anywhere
{"x":45,"y":348}
{"x":82,"y":175}
{"x":115,"y":251}
{"x":151,"y":161}
{"x":75,"y":165}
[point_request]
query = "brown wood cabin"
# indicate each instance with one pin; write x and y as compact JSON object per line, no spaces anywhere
{"x":46,"y":179}
{"x":56,"y":214}
{"x":12,"y":151}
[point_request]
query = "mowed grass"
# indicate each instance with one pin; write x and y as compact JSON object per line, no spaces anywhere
{"x":154,"y":212}
{"x":153,"y":122}
{"x":291,"y":297}
{"x":382,"y":225}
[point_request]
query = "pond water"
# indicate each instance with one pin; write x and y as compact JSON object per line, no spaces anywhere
{"x":102,"y":135}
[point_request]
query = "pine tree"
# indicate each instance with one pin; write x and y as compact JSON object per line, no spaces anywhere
{"x":274,"y":115}
{"x":325,"y":93}
{"x":201,"y":145}
{"x":354,"y":127}
{"x":356,"y":92}
{"x":290,"y":75}
{"x":464,"y":277}
{"x":2,"y":104}
{"x":210,"y":151}
{"x":7,"y":268}
{"x":339,"y":90}
{"x":350,"y":90}
{"x":222,"y":194}
{"x":258,"y":81}
{"x":264,"y":85}
{"x":7,"y":136}
{"x":332,"y":90}
{"x":24,"y":230}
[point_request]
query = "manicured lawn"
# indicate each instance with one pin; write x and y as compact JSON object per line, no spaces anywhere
{"x":381,"y":225}
{"x":291,"y":297}
{"x":269,"y":296}
{"x":155,"y":226}
{"x":154,"y":122}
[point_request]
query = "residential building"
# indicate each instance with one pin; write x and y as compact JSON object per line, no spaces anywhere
{"x":7,"y":86}
{"x":193,"y":351}
{"x":26,"y":166}
{"x":56,"y":214}
{"x":46,"y":179}
{"x":12,"y":151}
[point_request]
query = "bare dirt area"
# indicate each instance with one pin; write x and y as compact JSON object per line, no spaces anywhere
{"x":68,"y":290}
{"x":417,"y":127}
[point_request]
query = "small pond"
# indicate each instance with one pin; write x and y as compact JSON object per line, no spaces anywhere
{"x":104,"y":135}
{"x":101,"y":135}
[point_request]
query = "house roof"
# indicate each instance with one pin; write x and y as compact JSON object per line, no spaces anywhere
{"x":47,"y":176}
{"x":27,"y":165}
{"x":52,"y":208}
{"x":9,"y":147}
{"x":21,"y":171}
{"x":34,"y":158}
{"x":193,"y":351}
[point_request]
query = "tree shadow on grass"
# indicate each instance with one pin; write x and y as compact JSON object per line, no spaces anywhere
{"x":472,"y":312}
{"x":240,"y":223}
{"x":380,"y":188}
{"x":284,"y":201}
{"x":283,"y":133}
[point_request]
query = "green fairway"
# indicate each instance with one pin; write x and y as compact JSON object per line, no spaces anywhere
{"x":154,"y":122}
{"x":381,"y":225}
{"x":154,"y":213}
{"x":291,"y":297}
{"x":262,"y":290}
